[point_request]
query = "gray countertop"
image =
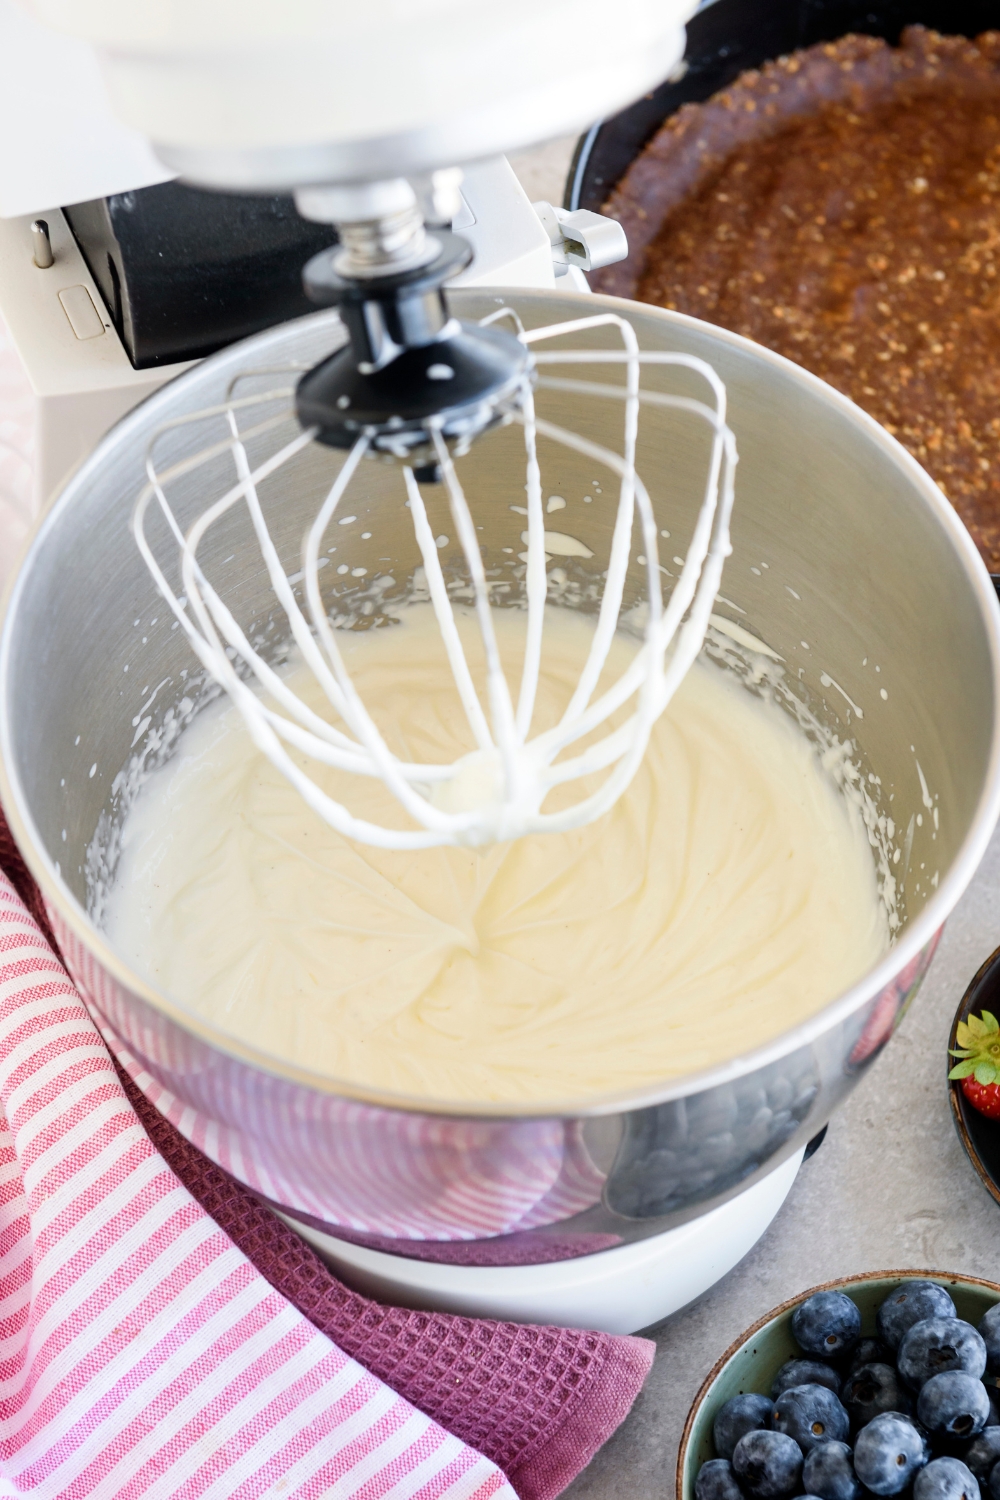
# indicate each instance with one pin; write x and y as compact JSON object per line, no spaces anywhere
{"x":890,"y":1188}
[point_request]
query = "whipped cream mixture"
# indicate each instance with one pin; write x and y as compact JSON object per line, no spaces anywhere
{"x":729,"y":894}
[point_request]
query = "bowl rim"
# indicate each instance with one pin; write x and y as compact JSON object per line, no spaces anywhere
{"x":918,"y":934}
{"x":954,"y":1085}
{"x":837,"y":1284}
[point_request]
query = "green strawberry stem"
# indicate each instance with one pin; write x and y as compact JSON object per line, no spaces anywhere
{"x":979,"y":1049}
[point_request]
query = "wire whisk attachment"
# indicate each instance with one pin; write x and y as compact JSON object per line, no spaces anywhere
{"x":497,"y":791}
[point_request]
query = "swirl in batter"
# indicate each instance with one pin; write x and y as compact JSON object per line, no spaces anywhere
{"x":729,"y":894}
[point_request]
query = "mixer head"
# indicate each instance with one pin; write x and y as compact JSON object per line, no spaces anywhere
{"x":250,"y":96}
{"x":497,"y":791}
{"x":367,"y":114}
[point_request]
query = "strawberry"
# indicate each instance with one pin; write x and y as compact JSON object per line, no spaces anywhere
{"x":979,"y":1066}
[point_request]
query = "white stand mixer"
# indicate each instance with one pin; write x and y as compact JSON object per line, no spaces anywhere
{"x":365,"y":116}
{"x":619,"y":1291}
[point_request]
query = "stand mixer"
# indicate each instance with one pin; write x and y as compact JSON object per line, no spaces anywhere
{"x":628,"y":1210}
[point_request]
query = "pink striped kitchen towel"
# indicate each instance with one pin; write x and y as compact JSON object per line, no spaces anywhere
{"x":156,"y":1341}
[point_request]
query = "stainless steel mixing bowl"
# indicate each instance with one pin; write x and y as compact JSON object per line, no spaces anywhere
{"x":847,"y":562}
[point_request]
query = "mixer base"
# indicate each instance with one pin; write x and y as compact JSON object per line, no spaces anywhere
{"x":618,"y":1290}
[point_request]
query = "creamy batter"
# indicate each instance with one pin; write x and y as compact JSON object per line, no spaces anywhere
{"x":729,"y":894}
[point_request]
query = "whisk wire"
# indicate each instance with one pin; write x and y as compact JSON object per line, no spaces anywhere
{"x":501,"y":707}
{"x":438,"y":591}
{"x":621,"y":542}
{"x":536,"y":581}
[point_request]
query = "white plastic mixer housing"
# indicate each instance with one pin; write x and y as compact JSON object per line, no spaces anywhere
{"x":80,"y":373}
{"x":249,"y":94}
{"x":306,"y":96}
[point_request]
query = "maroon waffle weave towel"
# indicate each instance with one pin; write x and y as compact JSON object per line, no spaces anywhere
{"x":538,"y":1401}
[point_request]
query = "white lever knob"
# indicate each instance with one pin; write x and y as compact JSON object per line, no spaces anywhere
{"x":582,"y":238}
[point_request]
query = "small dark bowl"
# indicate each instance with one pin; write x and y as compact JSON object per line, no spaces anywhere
{"x":979,"y":1135}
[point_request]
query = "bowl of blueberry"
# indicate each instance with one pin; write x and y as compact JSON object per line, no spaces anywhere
{"x":880,"y":1385}
{"x":974,"y":1071}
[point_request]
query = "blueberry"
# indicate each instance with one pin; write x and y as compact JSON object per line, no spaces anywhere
{"x":983,"y":1452}
{"x":826,"y":1323}
{"x":804,"y":1372}
{"x":993,"y":1484}
{"x":873,"y":1389}
{"x":953,"y":1403}
{"x":811,"y":1414}
{"x":946,"y":1479}
{"x":829,"y":1472}
{"x":989,"y":1332}
{"x":911,"y":1303}
{"x":867,"y":1352}
{"x":716,"y":1481}
{"x":741,"y":1415}
{"x":938,"y":1344}
{"x":768,"y":1465}
{"x":888,"y":1452}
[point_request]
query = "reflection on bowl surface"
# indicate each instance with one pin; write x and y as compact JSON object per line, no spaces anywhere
{"x":751,"y":1363}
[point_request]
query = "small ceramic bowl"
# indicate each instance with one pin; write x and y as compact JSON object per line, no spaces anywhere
{"x":979,"y":1135}
{"x":753,"y":1361}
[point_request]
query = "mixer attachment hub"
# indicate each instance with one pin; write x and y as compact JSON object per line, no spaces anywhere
{"x":459,"y":384}
{"x":410,"y":367}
